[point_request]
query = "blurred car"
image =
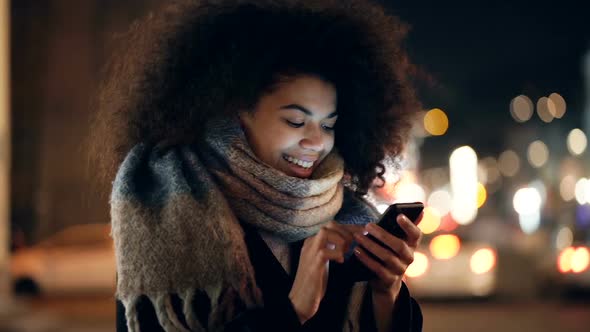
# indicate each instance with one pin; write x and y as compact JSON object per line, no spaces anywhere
{"x":563,"y":266}
{"x":573,"y":267}
{"x":78,"y":259}
{"x":448,"y":267}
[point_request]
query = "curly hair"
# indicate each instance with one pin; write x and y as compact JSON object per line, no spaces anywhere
{"x":194,"y":60}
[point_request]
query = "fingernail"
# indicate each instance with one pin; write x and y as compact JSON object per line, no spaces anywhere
{"x":357,"y":252}
{"x":365,"y":232}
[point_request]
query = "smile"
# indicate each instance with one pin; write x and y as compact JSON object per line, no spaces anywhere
{"x":301,"y":163}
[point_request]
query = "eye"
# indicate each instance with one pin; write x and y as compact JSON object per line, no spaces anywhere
{"x":294,"y":124}
{"x":327,"y":128}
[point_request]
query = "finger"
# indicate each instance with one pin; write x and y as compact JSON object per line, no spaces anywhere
{"x":379,"y":270}
{"x":326,"y":254}
{"x":372,"y":246}
{"x":331,"y":240}
{"x":399,"y":246}
{"x":344,"y":232}
{"x":331,"y":246}
{"x":353,"y":228}
{"x":413,"y":233}
{"x":389,"y":258}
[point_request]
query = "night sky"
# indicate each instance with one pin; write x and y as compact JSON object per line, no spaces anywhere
{"x":483,"y":54}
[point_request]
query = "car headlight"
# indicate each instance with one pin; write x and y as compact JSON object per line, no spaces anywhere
{"x":574,"y":260}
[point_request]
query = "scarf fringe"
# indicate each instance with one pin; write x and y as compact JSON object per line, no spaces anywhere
{"x":170,"y":323}
{"x":166,"y":315}
{"x":131,"y":313}
{"x":189,"y":314}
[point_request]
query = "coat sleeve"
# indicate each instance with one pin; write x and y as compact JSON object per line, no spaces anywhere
{"x":277,"y":316}
{"x":407,"y":316}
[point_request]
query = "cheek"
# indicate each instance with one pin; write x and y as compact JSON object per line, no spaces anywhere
{"x":273,"y":143}
{"x":329,"y":143}
{"x":282,"y":141}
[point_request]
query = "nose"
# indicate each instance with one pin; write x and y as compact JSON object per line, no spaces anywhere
{"x":313,"y":140}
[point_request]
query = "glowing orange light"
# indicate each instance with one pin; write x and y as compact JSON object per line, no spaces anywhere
{"x":564,"y":261}
{"x":436,"y":122}
{"x":482,"y":195}
{"x":580,"y":260}
{"x":430,"y":220}
{"x":445,"y":246}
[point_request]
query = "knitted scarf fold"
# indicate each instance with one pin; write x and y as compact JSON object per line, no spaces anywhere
{"x":175,"y":224}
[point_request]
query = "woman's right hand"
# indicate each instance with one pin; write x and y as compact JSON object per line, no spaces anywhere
{"x":311,"y":279}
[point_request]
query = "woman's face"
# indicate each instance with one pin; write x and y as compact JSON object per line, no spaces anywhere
{"x":292,"y":127}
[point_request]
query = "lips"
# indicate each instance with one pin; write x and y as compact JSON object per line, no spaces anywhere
{"x":304,"y":157}
{"x":304,"y":162}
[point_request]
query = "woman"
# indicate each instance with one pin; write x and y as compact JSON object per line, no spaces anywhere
{"x":243,"y":135}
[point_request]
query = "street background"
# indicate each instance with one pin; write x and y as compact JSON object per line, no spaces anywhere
{"x":505,"y":87}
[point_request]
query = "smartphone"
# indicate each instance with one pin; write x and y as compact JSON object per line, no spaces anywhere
{"x":388,"y":221}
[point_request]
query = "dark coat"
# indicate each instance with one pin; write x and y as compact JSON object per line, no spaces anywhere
{"x":278,"y":313}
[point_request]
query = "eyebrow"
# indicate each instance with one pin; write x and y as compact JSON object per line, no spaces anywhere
{"x":305,"y":110}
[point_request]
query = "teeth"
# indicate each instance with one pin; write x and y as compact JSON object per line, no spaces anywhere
{"x":304,"y":164}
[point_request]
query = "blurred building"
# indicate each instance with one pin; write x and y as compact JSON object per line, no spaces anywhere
{"x":58,"y":49}
{"x":4,"y":157}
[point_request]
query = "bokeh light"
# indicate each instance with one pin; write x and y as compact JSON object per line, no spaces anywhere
{"x":564,"y":238}
{"x":546,"y":109}
{"x":529,"y":223}
{"x":521,"y":108}
{"x":419,"y":266}
{"x":537,"y":154}
{"x":430,"y":220}
{"x":463,"y":166}
{"x":583,"y":213}
{"x":482,"y":195}
{"x":559,"y":103}
{"x":409,"y":192}
{"x":436,"y":122}
{"x":564,"y":261}
{"x":580,"y":260}
{"x":509,"y":163}
{"x":582,"y":191}
{"x":483,"y":260}
{"x":445,"y":246}
{"x":526,"y":201}
{"x":440,"y":200}
{"x":576,"y":142}
{"x":567,"y":188}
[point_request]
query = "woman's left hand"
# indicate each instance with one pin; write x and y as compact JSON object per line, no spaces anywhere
{"x":395,"y":261}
